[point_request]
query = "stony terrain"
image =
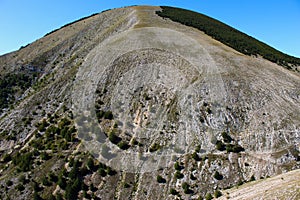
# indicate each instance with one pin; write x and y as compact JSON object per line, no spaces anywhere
{"x":128,"y":105}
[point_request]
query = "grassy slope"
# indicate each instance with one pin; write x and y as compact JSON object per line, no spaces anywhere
{"x":228,"y":35}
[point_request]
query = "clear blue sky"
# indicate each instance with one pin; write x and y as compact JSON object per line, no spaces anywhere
{"x":275,"y":22}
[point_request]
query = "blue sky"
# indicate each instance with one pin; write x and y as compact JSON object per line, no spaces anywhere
{"x":275,"y":22}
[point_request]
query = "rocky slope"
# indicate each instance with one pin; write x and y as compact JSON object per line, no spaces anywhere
{"x":128,"y":105}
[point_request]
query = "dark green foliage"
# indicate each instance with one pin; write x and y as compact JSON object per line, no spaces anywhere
{"x":218,"y":176}
{"x":178,"y":167}
{"x":104,"y":114}
{"x":154,"y":147}
{"x":220,"y":146}
{"x":11,"y":84}
{"x":126,"y":185}
{"x":110,"y":171}
{"x":178,"y":175}
{"x":36,"y":187}
{"x":226,"y":137}
{"x":20,"y":187}
{"x":72,"y":189}
{"x":108,"y":115}
{"x":114,"y":138}
{"x":234,"y":148}
{"x":102,"y":172}
{"x":196,"y":157}
{"x":186,"y":188}
{"x":22,"y":179}
{"x":9,"y":183}
{"x":123,"y":145}
{"x":90,"y":164}
{"x":46,"y":182}
{"x":252,"y":178}
{"x":227,"y":35}
{"x":160,"y":179}
{"x":208,"y":196}
{"x":23,"y":161}
{"x":6,"y":158}
{"x":173,"y":191}
{"x":36,"y":196}
{"x":62,"y":181}
{"x":192,"y":177}
{"x":45,"y":156}
{"x":217,"y":193}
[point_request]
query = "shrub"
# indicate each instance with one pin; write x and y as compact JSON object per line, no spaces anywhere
{"x":20,"y":187}
{"x":90,"y":163}
{"x":154,"y":147}
{"x":218,"y":176}
{"x":220,"y":146}
{"x":252,"y":178}
{"x":160,"y":179}
{"x":173,"y":191}
{"x":178,"y":167}
{"x":114,"y":138}
{"x":108,"y":115}
{"x":123,"y":145}
{"x":186,"y":188}
{"x":178,"y":175}
{"x":102,"y":172}
{"x":234,"y":148}
{"x":196,"y":157}
{"x":217,"y":193}
{"x":226,"y":137}
{"x":6,"y":158}
{"x":9,"y":183}
{"x":208,"y":196}
{"x":46,"y":182}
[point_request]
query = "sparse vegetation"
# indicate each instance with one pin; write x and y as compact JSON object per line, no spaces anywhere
{"x":11,"y":84}
{"x":160,"y":179}
{"x":218,"y":176}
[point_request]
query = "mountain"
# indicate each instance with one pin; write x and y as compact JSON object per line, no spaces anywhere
{"x":147,"y":103}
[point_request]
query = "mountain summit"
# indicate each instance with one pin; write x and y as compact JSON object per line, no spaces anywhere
{"x":148,"y":103}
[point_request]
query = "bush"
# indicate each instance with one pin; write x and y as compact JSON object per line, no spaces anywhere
{"x":208,"y":196}
{"x":218,"y":176}
{"x":178,"y":175}
{"x":173,"y":191}
{"x":234,"y":148}
{"x":9,"y":183}
{"x":160,"y":179}
{"x":186,"y":188}
{"x":220,"y":146}
{"x":114,"y":138}
{"x":226,"y":137}
{"x":217,"y":193}
{"x":108,"y":115}
{"x":6,"y":158}
{"x":20,"y":187}
{"x":90,"y":164}
{"x":252,"y":178}
{"x":196,"y":157}
{"x":178,"y":167}
{"x":102,"y":172}
{"x":123,"y":145}
{"x":154,"y":147}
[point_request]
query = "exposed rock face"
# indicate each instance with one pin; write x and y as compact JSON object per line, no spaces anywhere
{"x":174,"y":112}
